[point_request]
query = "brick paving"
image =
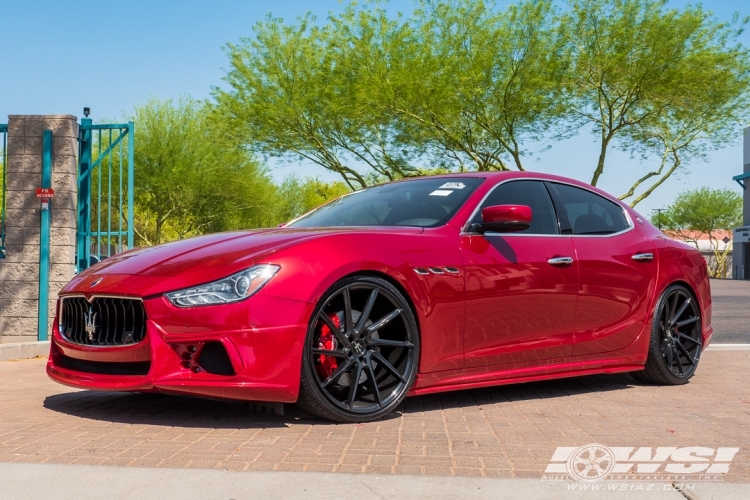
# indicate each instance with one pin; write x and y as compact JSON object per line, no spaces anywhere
{"x":507,"y":431}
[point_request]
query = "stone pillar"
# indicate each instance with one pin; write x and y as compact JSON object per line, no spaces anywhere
{"x":19,"y":271}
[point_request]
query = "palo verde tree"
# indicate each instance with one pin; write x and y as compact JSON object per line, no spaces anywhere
{"x":464,"y":85}
{"x":459,"y":86}
{"x":699,"y":214}
{"x":478,"y":84}
{"x":655,"y":81}
{"x":294,"y":95}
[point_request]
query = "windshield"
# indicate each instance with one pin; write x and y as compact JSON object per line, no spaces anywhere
{"x":424,"y":202}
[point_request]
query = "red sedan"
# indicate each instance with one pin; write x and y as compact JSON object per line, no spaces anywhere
{"x":411,"y":287}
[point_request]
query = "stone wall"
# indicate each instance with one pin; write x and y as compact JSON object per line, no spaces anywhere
{"x":19,"y":271}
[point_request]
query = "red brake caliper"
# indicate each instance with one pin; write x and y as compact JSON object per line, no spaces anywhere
{"x":326,"y":365}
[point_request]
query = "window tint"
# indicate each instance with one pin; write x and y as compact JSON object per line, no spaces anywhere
{"x":590,"y":213}
{"x":425,"y":202}
{"x":531,"y":193}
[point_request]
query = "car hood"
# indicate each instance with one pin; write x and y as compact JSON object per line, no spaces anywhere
{"x":198,"y":260}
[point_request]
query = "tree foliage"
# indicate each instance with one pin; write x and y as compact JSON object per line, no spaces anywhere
{"x":699,"y":214}
{"x":660,"y":82}
{"x":463,"y":85}
{"x":190,"y":181}
{"x":298,"y":196}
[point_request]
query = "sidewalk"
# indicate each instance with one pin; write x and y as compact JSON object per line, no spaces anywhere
{"x":83,"y":482}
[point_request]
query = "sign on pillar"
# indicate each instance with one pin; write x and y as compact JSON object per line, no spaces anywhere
{"x":46,"y":195}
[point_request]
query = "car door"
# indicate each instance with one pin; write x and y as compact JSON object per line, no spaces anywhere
{"x":617,"y":270}
{"x":520,"y":286}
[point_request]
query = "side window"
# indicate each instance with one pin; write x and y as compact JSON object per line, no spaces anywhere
{"x":590,"y":213}
{"x":531,"y":193}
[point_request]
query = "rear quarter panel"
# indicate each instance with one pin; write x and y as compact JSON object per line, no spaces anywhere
{"x":679,"y":262}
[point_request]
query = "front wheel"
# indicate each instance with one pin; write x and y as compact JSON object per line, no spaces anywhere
{"x":361,"y":351}
{"x":676,"y":339}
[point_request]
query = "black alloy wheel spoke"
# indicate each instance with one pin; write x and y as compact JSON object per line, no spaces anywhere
{"x":337,"y":374}
{"x":348,"y":316}
{"x":354,"y":384}
{"x":679,"y":360}
{"x":673,"y":309}
{"x":366,"y":312}
{"x":388,"y":366}
{"x":685,"y":322}
{"x":391,"y":343}
{"x":680,"y":311}
{"x":688,"y":338}
{"x":336,"y":331}
{"x":373,"y":380}
{"x":666,"y":352}
{"x":667,"y":311}
{"x":326,"y":352}
{"x":662,"y":328}
{"x":384,"y":321}
{"x":684,"y":351}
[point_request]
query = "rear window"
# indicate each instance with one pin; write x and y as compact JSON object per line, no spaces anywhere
{"x":590,"y":213}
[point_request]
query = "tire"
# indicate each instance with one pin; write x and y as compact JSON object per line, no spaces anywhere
{"x":676,"y":339}
{"x":361,"y":351}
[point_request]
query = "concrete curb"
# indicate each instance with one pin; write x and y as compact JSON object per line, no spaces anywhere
{"x":82,"y":482}
{"x":23,"y":350}
{"x":728,"y":347}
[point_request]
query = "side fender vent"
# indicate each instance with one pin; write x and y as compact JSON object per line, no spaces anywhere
{"x":214,"y":359}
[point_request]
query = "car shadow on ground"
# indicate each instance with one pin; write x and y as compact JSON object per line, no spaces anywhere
{"x":181,"y":411}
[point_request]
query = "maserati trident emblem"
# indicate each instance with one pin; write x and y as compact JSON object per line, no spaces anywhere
{"x":90,"y":319}
{"x":96,"y":282}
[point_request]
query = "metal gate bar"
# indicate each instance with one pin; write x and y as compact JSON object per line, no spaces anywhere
{"x":96,"y":177}
{"x":3,"y":182}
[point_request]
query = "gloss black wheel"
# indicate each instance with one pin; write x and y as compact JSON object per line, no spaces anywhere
{"x":361,"y":351}
{"x":676,"y":339}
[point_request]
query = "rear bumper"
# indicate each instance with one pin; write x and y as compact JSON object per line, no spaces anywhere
{"x":265,"y":356}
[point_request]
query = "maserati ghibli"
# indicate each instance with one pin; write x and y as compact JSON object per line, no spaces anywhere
{"x":412,"y":287}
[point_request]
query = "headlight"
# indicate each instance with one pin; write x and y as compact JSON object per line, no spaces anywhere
{"x":232,"y":289}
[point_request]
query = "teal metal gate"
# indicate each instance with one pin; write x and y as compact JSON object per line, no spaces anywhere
{"x":105,"y":191}
{"x":3,"y":177}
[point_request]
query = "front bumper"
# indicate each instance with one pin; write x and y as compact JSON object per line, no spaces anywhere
{"x":262,"y":336}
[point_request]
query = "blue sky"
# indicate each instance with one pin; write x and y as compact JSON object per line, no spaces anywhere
{"x":58,"y":57}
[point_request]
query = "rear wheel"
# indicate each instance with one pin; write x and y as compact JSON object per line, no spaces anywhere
{"x":361,"y":352}
{"x":676,"y":339}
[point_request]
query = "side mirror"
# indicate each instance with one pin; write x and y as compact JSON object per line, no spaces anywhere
{"x":504,"y":218}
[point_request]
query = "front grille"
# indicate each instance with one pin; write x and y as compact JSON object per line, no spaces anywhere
{"x":105,"y":321}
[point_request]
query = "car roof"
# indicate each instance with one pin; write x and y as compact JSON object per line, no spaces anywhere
{"x":496,"y":177}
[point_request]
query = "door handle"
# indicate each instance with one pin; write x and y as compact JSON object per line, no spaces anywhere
{"x":560,"y":261}
{"x":643,"y":257}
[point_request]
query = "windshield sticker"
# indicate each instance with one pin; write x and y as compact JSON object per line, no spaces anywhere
{"x":453,"y":185}
{"x":440,"y":192}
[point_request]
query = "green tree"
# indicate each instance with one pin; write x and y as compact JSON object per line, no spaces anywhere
{"x":463,"y":85}
{"x":297,"y":196}
{"x":190,"y":180}
{"x":701,"y":213}
{"x":291,"y":97}
{"x":475,"y":83}
{"x":655,"y":81}
{"x":458,"y":86}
